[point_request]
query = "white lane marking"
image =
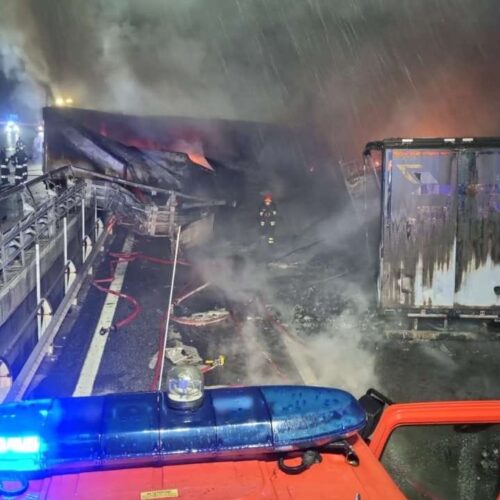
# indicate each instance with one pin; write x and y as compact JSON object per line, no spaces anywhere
{"x":93,"y":359}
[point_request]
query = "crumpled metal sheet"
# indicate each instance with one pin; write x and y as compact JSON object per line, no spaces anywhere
{"x":183,"y":354}
{"x":180,"y":354}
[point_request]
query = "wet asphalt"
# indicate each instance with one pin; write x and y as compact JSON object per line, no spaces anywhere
{"x":404,"y":370}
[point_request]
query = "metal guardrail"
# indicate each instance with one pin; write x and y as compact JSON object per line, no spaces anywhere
{"x":59,"y":205}
{"x":57,"y":200}
{"x":40,"y":224}
{"x":44,"y":345}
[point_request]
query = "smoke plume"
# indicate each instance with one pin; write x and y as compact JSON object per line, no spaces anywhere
{"x":354,"y":70}
{"x":312,"y":288}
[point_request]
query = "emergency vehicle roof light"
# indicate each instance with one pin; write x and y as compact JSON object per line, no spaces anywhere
{"x":140,"y":429}
{"x":185,"y":387}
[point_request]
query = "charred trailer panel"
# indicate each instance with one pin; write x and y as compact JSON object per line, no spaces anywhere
{"x":440,"y":227}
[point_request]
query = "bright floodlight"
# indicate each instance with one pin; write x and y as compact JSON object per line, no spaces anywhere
{"x":11,"y":127}
{"x":68,"y":101}
{"x":59,"y":101}
{"x":14,"y":444}
{"x":185,"y":387}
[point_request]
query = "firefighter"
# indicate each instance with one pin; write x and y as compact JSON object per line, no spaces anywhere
{"x":267,"y":217}
{"x":20,"y":161}
{"x":4,"y":167}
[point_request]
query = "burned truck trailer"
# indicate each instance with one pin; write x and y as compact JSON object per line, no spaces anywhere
{"x":440,"y":226}
{"x":147,"y":186}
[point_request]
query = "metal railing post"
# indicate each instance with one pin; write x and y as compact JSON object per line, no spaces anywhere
{"x":65,"y":239}
{"x":83,"y":228}
{"x":38,"y":289}
{"x":65,"y":249}
{"x":94,"y":189}
{"x":3,"y":261}
{"x":21,"y":245}
{"x":83,"y":217}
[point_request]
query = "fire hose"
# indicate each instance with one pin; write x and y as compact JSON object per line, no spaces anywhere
{"x":129,"y":257}
{"x":178,"y":300}
{"x":136,"y":307}
{"x":197,"y":321}
{"x":186,"y":321}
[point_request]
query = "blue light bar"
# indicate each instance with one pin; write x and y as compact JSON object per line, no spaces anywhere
{"x":123,"y":430}
{"x":314,"y":414}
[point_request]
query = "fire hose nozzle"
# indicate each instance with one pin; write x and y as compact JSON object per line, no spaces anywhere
{"x":104,"y":331}
{"x":216,"y":362}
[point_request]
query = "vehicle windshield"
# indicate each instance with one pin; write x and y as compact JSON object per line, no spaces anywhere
{"x":445,"y":461}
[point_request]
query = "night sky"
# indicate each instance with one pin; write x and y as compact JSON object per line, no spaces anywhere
{"x":350,"y":70}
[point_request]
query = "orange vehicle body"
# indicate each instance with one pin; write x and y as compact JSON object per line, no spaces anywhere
{"x":333,"y":478}
{"x":250,"y":479}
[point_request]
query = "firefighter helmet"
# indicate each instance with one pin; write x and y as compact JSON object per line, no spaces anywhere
{"x":268,"y":199}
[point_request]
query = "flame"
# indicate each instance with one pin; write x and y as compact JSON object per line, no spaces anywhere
{"x":200,"y":160}
{"x":194,"y":151}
